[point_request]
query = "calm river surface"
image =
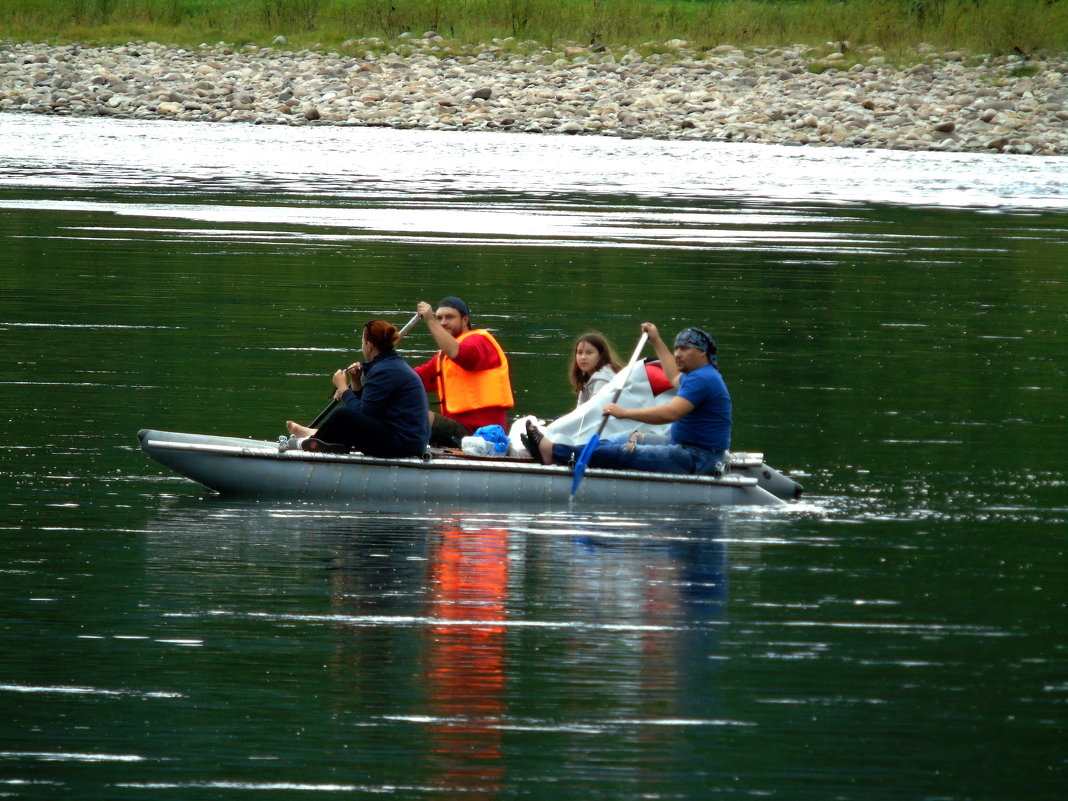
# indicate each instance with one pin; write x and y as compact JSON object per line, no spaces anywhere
{"x":894,"y":331}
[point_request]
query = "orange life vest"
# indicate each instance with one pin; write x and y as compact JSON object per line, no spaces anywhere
{"x":466,"y":390}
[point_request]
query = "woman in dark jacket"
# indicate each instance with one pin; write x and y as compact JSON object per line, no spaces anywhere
{"x":385,"y":412}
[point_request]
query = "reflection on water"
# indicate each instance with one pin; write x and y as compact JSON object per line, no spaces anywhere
{"x":466,"y":223}
{"x":331,"y":187}
{"x":466,"y":669}
{"x":383,"y":164}
{"x":465,"y":636}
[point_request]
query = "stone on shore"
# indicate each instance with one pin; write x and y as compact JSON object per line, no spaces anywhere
{"x":796,"y":95}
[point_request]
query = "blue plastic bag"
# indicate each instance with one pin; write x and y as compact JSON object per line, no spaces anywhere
{"x":496,"y":436}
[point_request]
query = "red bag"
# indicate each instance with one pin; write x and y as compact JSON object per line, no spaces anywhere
{"x":658,"y":379}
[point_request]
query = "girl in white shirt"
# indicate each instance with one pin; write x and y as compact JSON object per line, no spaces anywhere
{"x":593,"y":364}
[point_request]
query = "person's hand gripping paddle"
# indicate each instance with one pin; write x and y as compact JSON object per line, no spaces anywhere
{"x":334,"y":402}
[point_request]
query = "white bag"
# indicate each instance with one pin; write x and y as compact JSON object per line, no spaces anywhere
{"x":476,"y":446}
{"x":576,"y":427}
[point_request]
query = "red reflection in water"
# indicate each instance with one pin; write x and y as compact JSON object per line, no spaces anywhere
{"x":466,"y":658}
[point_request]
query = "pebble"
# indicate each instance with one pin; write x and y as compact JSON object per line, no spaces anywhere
{"x":794,"y":95}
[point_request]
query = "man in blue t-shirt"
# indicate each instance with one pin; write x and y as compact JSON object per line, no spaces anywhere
{"x":700,"y":417}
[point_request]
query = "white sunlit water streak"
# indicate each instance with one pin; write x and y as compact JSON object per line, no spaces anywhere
{"x":88,"y":691}
{"x":468,"y":224}
{"x":348,"y":162}
{"x":449,"y":222}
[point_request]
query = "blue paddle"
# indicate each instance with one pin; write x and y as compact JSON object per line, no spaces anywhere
{"x":322,"y":415}
{"x":587,"y":452}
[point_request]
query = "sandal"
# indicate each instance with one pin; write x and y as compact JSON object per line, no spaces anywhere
{"x":532,"y":442}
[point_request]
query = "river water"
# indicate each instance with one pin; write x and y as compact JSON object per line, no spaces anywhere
{"x":894,"y":331}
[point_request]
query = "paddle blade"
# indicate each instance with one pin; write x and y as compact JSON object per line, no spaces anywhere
{"x":583,"y":460}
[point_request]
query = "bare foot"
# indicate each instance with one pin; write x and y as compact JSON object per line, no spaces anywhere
{"x":297,"y":430}
{"x":546,"y":448}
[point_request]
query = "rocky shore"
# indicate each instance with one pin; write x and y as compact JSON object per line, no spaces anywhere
{"x":792,"y":95}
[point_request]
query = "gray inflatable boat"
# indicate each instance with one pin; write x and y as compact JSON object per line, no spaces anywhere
{"x":253,"y":468}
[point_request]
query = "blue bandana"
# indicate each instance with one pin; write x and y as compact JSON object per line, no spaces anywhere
{"x":696,"y":338}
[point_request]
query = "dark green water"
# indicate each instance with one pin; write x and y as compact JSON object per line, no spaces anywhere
{"x":898,"y":635}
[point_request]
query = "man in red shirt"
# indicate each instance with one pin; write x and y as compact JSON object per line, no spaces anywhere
{"x":469,"y":374}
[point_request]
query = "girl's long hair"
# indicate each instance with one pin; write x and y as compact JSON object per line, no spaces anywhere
{"x":606,"y":355}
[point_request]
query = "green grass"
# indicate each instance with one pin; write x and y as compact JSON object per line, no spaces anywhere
{"x":1028,"y":27}
{"x":1027,"y":70}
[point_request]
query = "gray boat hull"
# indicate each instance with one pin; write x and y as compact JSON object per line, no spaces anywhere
{"x":243,"y":467}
